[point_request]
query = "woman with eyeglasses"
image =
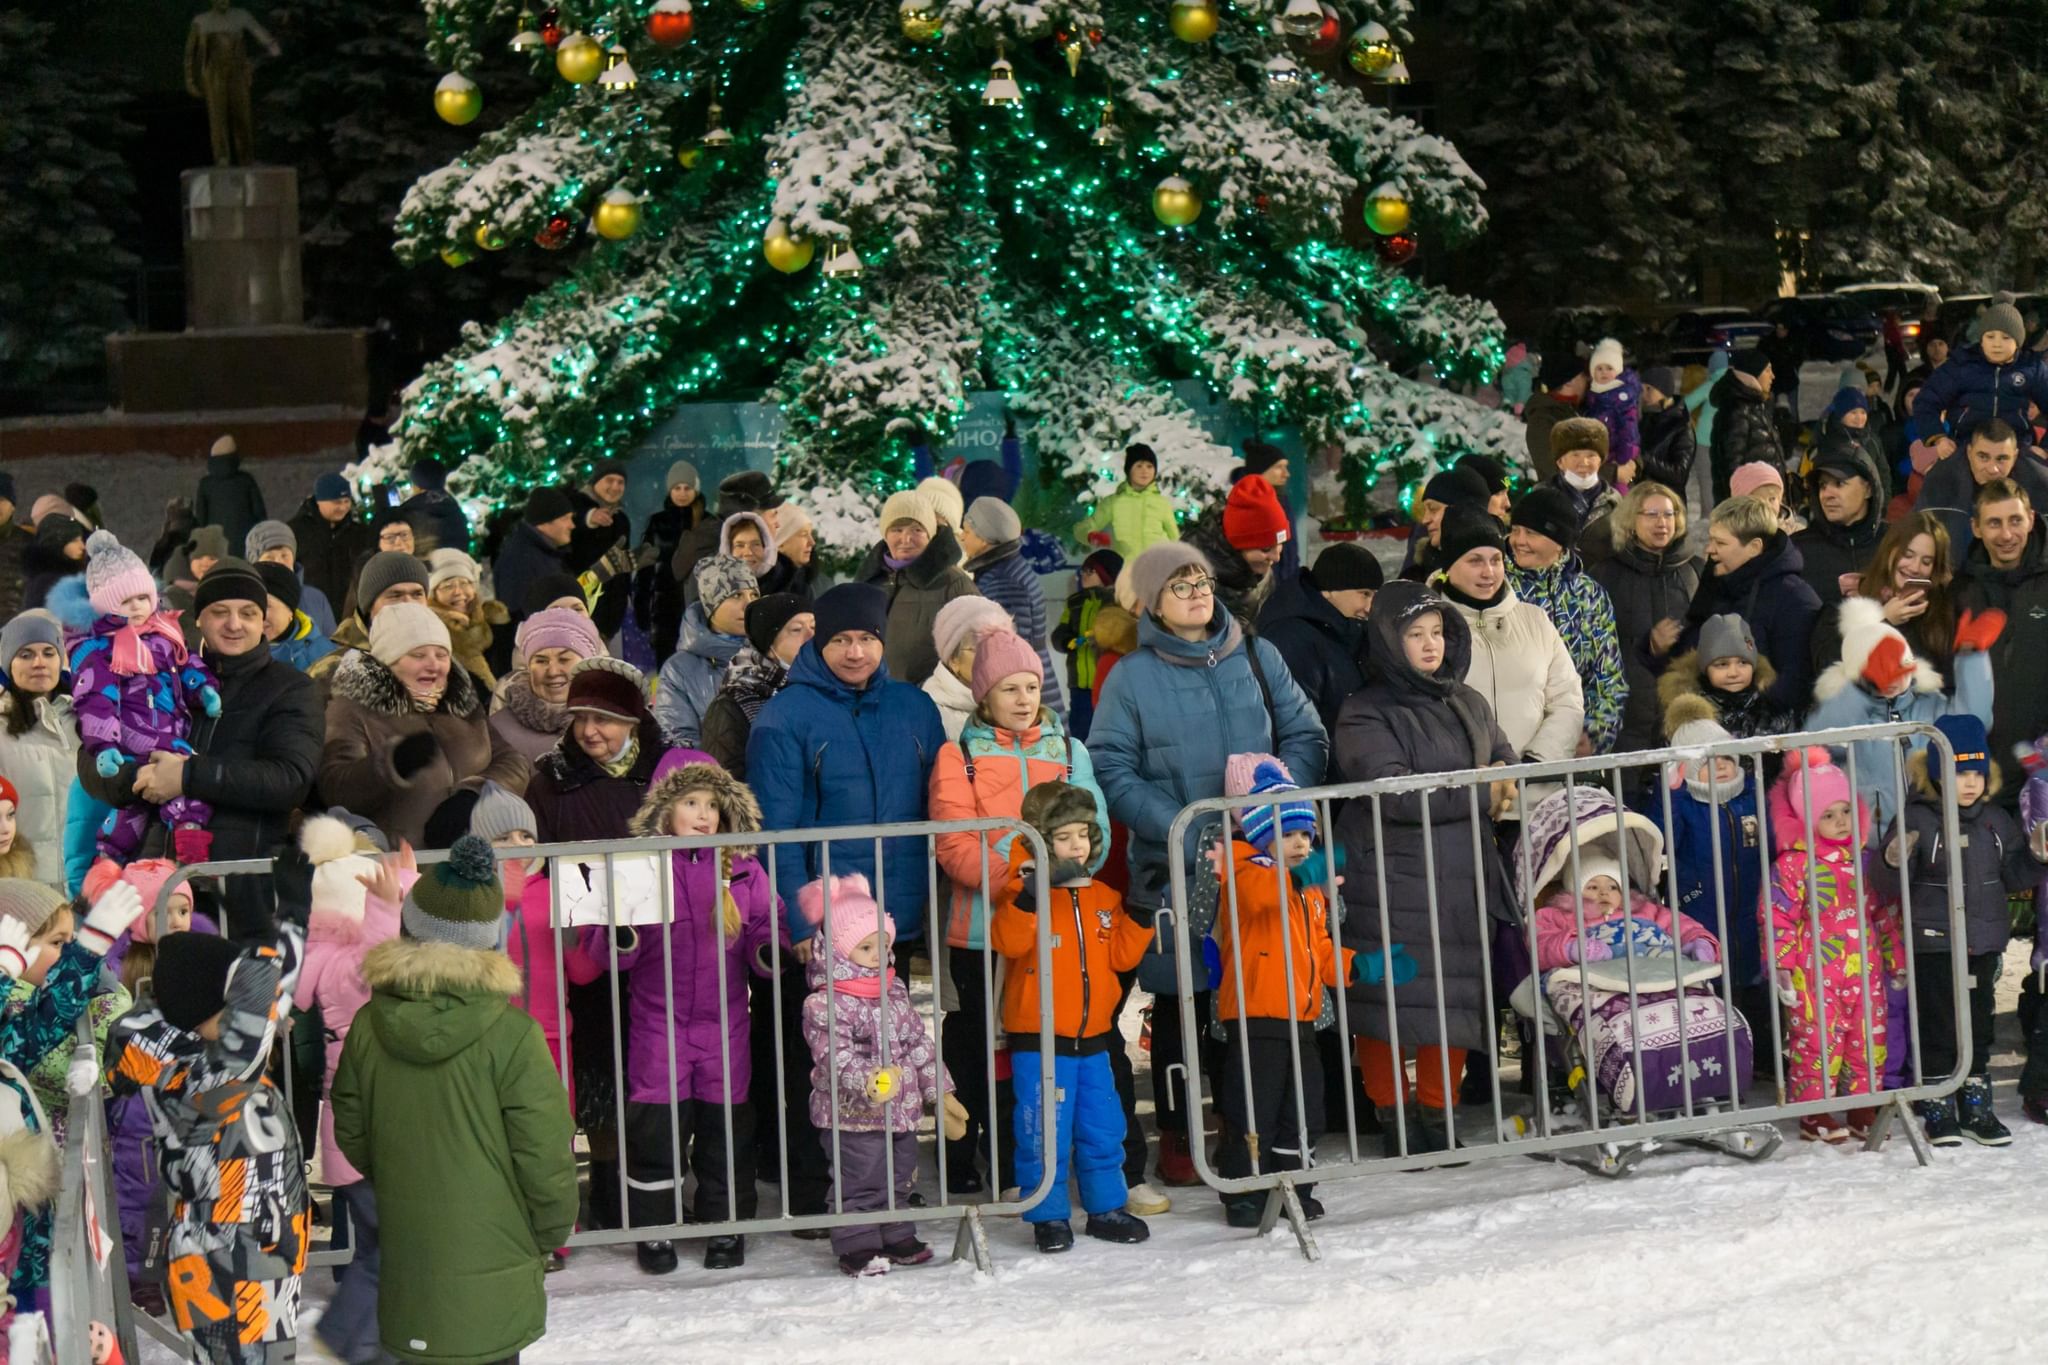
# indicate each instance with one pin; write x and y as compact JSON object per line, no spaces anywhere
{"x":1650,"y":579}
{"x":1195,"y":691}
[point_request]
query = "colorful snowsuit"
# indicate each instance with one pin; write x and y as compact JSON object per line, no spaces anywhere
{"x":240,"y":1212}
{"x":135,"y":692}
{"x":1557,"y":926}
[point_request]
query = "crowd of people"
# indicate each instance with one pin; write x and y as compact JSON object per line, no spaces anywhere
{"x":335,"y":691}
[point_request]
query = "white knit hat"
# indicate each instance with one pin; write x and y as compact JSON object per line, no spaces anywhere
{"x":1608,"y":352}
{"x":964,"y":616}
{"x":447,"y":564}
{"x":1863,"y":629}
{"x":944,"y":496}
{"x":330,"y":846}
{"x":403,"y":627}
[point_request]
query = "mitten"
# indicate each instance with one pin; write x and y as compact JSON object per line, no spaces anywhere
{"x":1786,"y":995}
{"x":109,"y":762}
{"x":1899,"y":851}
{"x":1890,"y":663}
{"x":1099,"y":539}
{"x":119,"y":906}
{"x":1589,"y":950}
{"x":291,"y":878}
{"x":1979,"y":630}
{"x":1703,"y":950}
{"x":1027,"y":889}
{"x":1395,"y":962}
{"x":192,"y":844}
{"x":82,"y":1077}
{"x":14,"y":937}
{"x":412,"y":754}
{"x":885,"y":1083}
{"x":209,"y":699}
{"x":953,"y":1115}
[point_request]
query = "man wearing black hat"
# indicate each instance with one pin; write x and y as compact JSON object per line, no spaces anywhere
{"x":1461,"y":485}
{"x":1668,"y":445}
{"x":538,"y":546}
{"x":1545,"y":571}
{"x":1846,"y":491}
{"x":747,"y":491}
{"x":432,"y":511}
{"x":1744,"y":430}
{"x":331,"y":538}
{"x":1317,"y":622}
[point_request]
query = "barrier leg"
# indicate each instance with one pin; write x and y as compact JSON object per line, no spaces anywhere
{"x":1284,"y":1198}
{"x":1894,"y":1110}
{"x":970,"y":1243}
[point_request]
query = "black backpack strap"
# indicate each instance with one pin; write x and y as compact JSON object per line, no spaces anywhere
{"x":1251,"y":654}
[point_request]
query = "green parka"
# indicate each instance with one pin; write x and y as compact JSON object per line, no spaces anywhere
{"x":446,"y":1101}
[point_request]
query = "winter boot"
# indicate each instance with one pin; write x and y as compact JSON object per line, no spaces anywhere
{"x":1145,"y":1201}
{"x":1861,"y":1121}
{"x":2036,"y":1109}
{"x":725,"y":1253}
{"x":912,"y":1252}
{"x":1243,"y":1210}
{"x":1117,"y":1226}
{"x":1054,"y":1236}
{"x":658,"y":1258}
{"x":1975,"y":1116}
{"x":1311,"y":1207}
{"x":862,"y":1263}
{"x":1823,"y":1128}
{"x":1176,"y":1167}
{"x":1938,"y":1117}
{"x":604,"y":1196}
{"x":961,"y":1175}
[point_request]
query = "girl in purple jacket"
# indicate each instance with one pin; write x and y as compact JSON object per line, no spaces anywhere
{"x":685,"y":948}
{"x":1614,"y":398}
{"x":135,"y":690}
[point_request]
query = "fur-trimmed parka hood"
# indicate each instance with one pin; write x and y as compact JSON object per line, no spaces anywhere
{"x":413,"y":968}
{"x":738,"y":811}
{"x":432,"y":1001}
{"x":1920,"y":774}
{"x":1862,"y":624}
{"x":29,"y":1169}
{"x":1682,"y":690}
{"x":362,"y":679}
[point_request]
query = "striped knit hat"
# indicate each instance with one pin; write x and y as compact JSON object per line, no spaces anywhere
{"x":459,"y":901}
{"x":1265,"y":775}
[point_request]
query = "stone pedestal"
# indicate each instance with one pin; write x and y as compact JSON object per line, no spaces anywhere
{"x":241,"y":247}
{"x":249,"y":367}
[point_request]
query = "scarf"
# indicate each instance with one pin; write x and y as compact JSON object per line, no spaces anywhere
{"x":896,"y":565}
{"x":1467,"y":600}
{"x":130,"y":655}
{"x":623,"y":763}
{"x":427,"y":701}
{"x":1226,"y":645}
{"x":865,"y":987}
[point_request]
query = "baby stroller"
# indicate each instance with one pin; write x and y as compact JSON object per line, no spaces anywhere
{"x":1640,"y":1035}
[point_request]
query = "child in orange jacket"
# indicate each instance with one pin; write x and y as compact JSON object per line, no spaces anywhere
{"x":1094,"y":937}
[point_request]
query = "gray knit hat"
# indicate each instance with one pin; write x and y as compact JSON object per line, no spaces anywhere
{"x":500,"y":812}
{"x":383,"y":570}
{"x":2002,"y":317}
{"x":720,"y":578}
{"x":31,"y":904}
{"x":682,"y":472}
{"x":1726,"y":636}
{"x":459,"y":901}
{"x":269,"y":535}
{"x":208,"y":542}
{"x":994,"y":520}
{"x":965,"y":616}
{"x":33,"y":627}
{"x":1148,"y":574}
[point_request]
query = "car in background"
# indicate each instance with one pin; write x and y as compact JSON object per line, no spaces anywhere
{"x":1834,"y":328}
{"x":1915,"y":302}
{"x":1577,"y":330}
{"x":1690,"y":337}
{"x":1955,"y":322}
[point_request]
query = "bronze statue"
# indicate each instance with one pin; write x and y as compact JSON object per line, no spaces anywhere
{"x":217,"y":70}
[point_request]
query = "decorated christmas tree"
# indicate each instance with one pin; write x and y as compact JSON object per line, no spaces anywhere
{"x":863,"y":210}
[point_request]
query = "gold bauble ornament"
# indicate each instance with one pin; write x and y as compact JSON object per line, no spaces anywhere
{"x":690,"y":155}
{"x":617,"y":216}
{"x":1386,"y":210}
{"x":784,"y":251}
{"x":1175,"y":202}
{"x":1372,"y":49}
{"x":580,"y":59}
{"x":1193,"y":21}
{"x":455,"y":257}
{"x":921,"y":20}
{"x":489,"y":237}
{"x":457,"y":99}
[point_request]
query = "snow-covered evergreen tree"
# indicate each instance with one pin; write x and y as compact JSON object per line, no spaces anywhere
{"x":65,"y":212}
{"x":1012,"y":247}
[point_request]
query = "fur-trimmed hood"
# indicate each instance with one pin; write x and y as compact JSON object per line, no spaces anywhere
{"x":760,"y":523}
{"x":1116,"y":630}
{"x":1682,"y":691}
{"x":362,"y":679}
{"x":29,"y":1168}
{"x":1863,"y":626}
{"x":412,"y":968}
{"x":431,"y":1002}
{"x":738,"y":811}
{"x":1920,"y":775}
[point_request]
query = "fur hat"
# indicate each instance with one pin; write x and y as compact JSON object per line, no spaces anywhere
{"x":402,"y":627}
{"x":748,"y":490}
{"x":1578,"y":433}
{"x":1726,"y":636}
{"x":338,"y":895}
{"x":1001,"y":654}
{"x":608,"y":687}
{"x":557,"y":628}
{"x":855,"y":914}
{"x":720,"y":578}
{"x":1051,"y":805}
{"x":944,"y":496}
{"x":446,"y":565}
{"x":459,"y":900}
{"x":1253,"y":518}
{"x":114,"y":573}
{"x":909,"y":506}
{"x":190,"y":982}
{"x":1265,"y":775}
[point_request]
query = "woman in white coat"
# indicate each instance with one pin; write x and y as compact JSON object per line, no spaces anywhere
{"x":1519,"y":661}
{"x":38,"y":737}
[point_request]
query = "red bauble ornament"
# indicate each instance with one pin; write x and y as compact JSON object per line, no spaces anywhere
{"x":670,"y":27}
{"x":1328,"y":36}
{"x":555,"y":234}
{"x":1262,"y":202}
{"x":1398,"y":249}
{"x":551,"y":27}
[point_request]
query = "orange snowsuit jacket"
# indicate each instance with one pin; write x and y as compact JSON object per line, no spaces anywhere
{"x":1093,"y":938}
{"x":1264,"y":960}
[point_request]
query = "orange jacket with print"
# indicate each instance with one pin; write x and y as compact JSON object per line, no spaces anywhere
{"x":1266,"y":944}
{"x":1093,"y":938}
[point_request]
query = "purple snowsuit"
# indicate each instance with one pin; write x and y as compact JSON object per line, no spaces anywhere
{"x":1620,"y":411}
{"x":845,"y":1035}
{"x":127,"y":711}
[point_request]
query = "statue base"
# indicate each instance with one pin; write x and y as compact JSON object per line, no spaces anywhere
{"x":252,"y":367}
{"x":241,"y":227}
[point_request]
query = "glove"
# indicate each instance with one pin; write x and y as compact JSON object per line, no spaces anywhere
{"x":291,"y":878}
{"x":1100,"y":539}
{"x":1589,"y":950}
{"x":209,"y":699}
{"x":2037,"y":841}
{"x":953,"y":1117}
{"x":1027,"y":890}
{"x":1786,"y":995}
{"x":1899,"y":851}
{"x":14,"y":937}
{"x":412,"y":754}
{"x":1394,"y":962}
{"x":1889,"y":665}
{"x":82,"y":1077}
{"x":883,"y":1085}
{"x":1979,"y":630}
{"x":119,"y":906}
{"x":109,"y":762}
{"x":1703,"y":950}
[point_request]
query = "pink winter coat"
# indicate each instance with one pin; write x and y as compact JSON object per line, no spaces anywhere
{"x":332,"y":982}
{"x":1557,"y":926}
{"x":536,"y":950}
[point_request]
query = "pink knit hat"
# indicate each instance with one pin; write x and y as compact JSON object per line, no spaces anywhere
{"x":1001,"y":653}
{"x":146,"y":875}
{"x":113,"y":574}
{"x":1747,"y":478}
{"x":853,"y":912}
{"x":558,"y":628}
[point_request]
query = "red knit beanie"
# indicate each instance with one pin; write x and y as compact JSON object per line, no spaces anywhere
{"x":1253,"y":518}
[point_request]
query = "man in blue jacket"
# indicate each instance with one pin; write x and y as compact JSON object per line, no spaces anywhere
{"x":843,"y":743}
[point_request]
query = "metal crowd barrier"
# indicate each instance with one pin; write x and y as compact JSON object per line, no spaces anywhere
{"x":88,"y":1273}
{"x":601,"y":863}
{"x":1602,"y":1136}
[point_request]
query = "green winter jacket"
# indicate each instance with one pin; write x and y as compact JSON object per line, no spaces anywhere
{"x":446,"y":1101}
{"x":1136,"y":519}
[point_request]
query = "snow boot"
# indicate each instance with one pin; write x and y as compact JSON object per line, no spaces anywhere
{"x":1054,"y":1236}
{"x":725,"y":1253}
{"x":863,"y":1263}
{"x":1311,"y":1207}
{"x":1977,"y":1119}
{"x":912,"y":1252}
{"x":658,"y":1258}
{"x":1861,"y":1121}
{"x":1117,"y":1226}
{"x":2036,"y":1110}
{"x":1243,"y":1210}
{"x":1823,"y":1128}
{"x":1176,"y":1167}
{"x":1145,"y":1201}
{"x":1938,"y":1117}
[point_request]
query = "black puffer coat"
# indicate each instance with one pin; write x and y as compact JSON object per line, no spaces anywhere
{"x":1830,"y":550}
{"x":1403,"y":722}
{"x":1321,"y":646}
{"x":1646,"y":587}
{"x":1743,"y":430}
{"x":1771,"y":594}
{"x":328,"y":550}
{"x":1668,"y":447}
